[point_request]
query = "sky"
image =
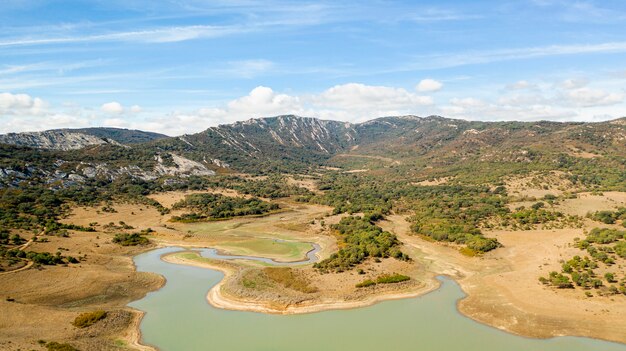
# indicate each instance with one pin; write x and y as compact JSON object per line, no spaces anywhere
{"x":181,"y":66}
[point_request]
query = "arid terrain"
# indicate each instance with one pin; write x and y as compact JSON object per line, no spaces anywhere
{"x":502,"y":285}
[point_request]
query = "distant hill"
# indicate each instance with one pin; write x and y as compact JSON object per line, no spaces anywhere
{"x":266,"y":143}
{"x":122,"y":136}
{"x":73,"y":139}
{"x":293,"y":144}
{"x":54,"y":140}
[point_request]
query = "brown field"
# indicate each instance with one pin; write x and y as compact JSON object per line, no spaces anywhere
{"x":502,"y":286}
{"x":537,"y":186}
{"x":47,"y":299}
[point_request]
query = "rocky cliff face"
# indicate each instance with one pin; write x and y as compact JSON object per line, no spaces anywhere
{"x":54,"y":140}
{"x":62,"y":173}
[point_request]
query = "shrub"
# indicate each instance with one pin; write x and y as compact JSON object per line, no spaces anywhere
{"x":560,"y":281}
{"x":392,"y":279}
{"x":55,"y":346}
{"x":361,"y":240}
{"x":130,"y":239}
{"x":87,"y":319}
{"x":365,"y":283}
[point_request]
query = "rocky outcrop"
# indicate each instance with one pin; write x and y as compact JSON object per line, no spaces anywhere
{"x":54,"y":140}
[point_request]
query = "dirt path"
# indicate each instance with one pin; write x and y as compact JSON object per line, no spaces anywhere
{"x":27,"y":266}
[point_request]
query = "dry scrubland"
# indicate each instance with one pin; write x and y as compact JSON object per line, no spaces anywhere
{"x":502,"y":285}
{"x":47,"y":299}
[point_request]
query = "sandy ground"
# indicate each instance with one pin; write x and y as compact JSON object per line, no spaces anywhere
{"x":48,"y":298}
{"x":343,"y":296}
{"x":503,"y":288}
{"x":539,"y":185}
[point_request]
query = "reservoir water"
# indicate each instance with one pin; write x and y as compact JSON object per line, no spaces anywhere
{"x":311,"y":257}
{"x":178,"y":317}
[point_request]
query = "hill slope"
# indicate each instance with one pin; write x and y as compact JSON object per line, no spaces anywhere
{"x":302,"y":144}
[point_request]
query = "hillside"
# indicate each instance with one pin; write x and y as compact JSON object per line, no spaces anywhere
{"x":74,"y":139}
{"x":54,"y":140}
{"x":412,"y":145}
{"x":122,"y":136}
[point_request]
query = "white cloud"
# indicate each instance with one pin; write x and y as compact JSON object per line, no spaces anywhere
{"x":354,"y":102}
{"x":155,"y":35}
{"x":248,"y":68}
{"x":21,"y":104}
{"x":520,"y":85}
{"x":467,"y":102}
{"x":135,"y":109}
{"x":522,"y":99}
{"x":588,"y":97}
{"x":447,"y":60}
{"x":363,"y":97}
{"x":428,"y":85}
{"x":264,"y":101}
{"x":113,"y":107}
{"x":573,"y":83}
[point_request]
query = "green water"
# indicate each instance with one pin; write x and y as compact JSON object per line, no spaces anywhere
{"x":178,"y":317}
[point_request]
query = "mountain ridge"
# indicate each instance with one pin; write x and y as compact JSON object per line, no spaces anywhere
{"x":290,"y":143}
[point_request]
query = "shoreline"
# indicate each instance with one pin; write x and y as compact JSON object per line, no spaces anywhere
{"x":133,"y":336}
{"x":219,"y":300}
{"x":216,"y":298}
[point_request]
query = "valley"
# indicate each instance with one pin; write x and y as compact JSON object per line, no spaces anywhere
{"x":504,"y":224}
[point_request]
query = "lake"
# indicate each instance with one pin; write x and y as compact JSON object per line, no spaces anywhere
{"x":178,"y":317}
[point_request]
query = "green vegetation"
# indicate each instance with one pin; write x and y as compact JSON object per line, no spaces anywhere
{"x":216,"y":206}
{"x":360,"y":239}
{"x":392,"y":278}
{"x":55,"y":346}
{"x":529,"y":218}
{"x":133,"y":239}
{"x":366,"y":283}
{"x":610,"y":217}
{"x":557,"y":280}
{"x":87,"y":319}
{"x":444,"y":212}
{"x":289,"y":278}
{"x":384,"y":279}
{"x":583,"y":270}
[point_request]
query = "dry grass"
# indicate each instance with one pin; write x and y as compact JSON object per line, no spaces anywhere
{"x":87,"y":319}
{"x":290,"y":279}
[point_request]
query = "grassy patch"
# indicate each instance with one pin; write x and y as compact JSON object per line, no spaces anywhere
{"x":55,"y":346}
{"x":130,"y":239}
{"x":366,"y":283}
{"x":384,"y":279}
{"x":268,"y":247}
{"x":466,"y":251}
{"x":87,"y":319}
{"x":289,"y":279}
{"x":392,"y":278}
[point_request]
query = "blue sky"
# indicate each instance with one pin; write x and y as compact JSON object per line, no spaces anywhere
{"x":181,"y":66}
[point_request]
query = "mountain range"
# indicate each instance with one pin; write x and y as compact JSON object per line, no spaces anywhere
{"x":300,"y":144}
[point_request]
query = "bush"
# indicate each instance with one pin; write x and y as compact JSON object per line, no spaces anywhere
{"x":361,"y":240}
{"x":560,"y":281}
{"x":365,"y":283}
{"x":87,"y":319}
{"x":392,"y":279}
{"x":55,"y":346}
{"x":130,"y":239}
